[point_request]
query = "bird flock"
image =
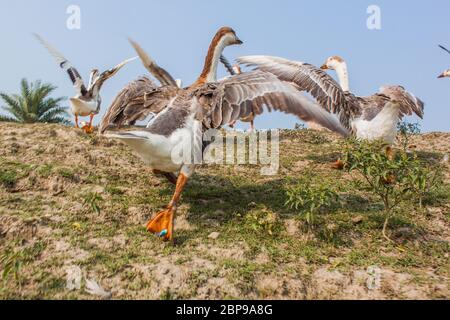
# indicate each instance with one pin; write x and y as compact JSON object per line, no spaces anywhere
{"x":272,"y":83}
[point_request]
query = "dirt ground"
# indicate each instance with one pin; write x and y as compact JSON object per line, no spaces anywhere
{"x":73,"y":210}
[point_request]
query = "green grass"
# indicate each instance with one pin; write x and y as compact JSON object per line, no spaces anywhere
{"x":98,"y":223}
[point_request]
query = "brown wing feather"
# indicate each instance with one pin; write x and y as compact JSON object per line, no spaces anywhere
{"x":100,"y":80}
{"x":159,"y":73}
{"x":241,"y":95}
{"x":409,"y":103}
{"x":129,"y":105}
{"x":311,"y":79}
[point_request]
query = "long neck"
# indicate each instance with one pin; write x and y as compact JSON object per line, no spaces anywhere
{"x":342,"y":74}
{"x":209,"y":73}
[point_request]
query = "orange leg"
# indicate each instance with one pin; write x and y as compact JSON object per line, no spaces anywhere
{"x":162,"y":224}
{"x":338,"y":165}
{"x":252,"y":126}
{"x":76,"y":122}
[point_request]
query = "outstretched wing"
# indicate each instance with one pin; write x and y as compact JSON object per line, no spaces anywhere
{"x":239,"y":96}
{"x":159,"y":73}
{"x":135,"y":102}
{"x":408,"y":102}
{"x":66,"y":66}
{"x":309,"y":78}
{"x":98,"y":82}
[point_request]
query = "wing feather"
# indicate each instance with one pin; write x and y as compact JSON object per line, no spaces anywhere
{"x":159,"y":73}
{"x":309,"y":78}
{"x":258,"y":89}
{"x":133,"y":103}
{"x":65,"y":64}
{"x":408,"y":102}
{"x":98,"y":82}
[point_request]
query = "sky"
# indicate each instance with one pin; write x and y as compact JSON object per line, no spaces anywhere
{"x":176,"y":33}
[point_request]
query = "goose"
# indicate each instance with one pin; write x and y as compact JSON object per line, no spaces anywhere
{"x":369,"y":118}
{"x":235,"y":70}
{"x":446,"y":73}
{"x":206,"y":104}
{"x":87,"y":101}
{"x":133,"y":96}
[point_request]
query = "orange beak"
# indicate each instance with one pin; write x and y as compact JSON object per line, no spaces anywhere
{"x":324,"y":67}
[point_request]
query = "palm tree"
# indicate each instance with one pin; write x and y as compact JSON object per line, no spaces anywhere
{"x":34,"y":105}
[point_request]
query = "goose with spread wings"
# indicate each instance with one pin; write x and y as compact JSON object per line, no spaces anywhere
{"x":132,"y":104}
{"x":87,"y":101}
{"x":170,"y":144}
{"x":374,"y":117}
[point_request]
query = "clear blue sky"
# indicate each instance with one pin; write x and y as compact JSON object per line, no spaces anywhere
{"x":177,"y":33}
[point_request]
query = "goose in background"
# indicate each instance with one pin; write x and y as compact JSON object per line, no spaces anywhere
{"x":446,"y":73}
{"x":374,"y":117}
{"x":206,"y":104}
{"x":87,"y":101}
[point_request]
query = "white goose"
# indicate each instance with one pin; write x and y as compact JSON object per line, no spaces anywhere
{"x":206,"y":104}
{"x":87,"y":101}
{"x":374,"y":117}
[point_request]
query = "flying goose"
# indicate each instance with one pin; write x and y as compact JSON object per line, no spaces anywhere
{"x":87,"y":101}
{"x":206,"y":104}
{"x":235,"y":70}
{"x":374,"y":117}
{"x":446,"y":73}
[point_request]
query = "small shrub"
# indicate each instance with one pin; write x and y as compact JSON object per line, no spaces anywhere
{"x":310,"y":199}
{"x":405,"y":131}
{"x":425,"y":179}
{"x":392,"y":179}
{"x":262,"y":220}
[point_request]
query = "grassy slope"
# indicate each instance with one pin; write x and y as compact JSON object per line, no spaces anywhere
{"x":71,"y":200}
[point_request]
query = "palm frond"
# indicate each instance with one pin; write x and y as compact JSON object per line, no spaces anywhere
{"x":4,"y":118}
{"x":34,"y":104}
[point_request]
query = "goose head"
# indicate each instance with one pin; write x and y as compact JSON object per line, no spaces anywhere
{"x":224,"y":37}
{"x":93,"y":76}
{"x":445,"y":74}
{"x":333,"y":63}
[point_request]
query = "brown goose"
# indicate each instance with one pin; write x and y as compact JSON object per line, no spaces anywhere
{"x":374,"y":117}
{"x":130,"y":105}
{"x":207,"y":104}
{"x":87,"y":101}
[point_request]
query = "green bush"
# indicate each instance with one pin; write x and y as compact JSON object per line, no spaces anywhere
{"x":310,"y":198}
{"x":393,"y":179}
{"x":405,"y":131}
